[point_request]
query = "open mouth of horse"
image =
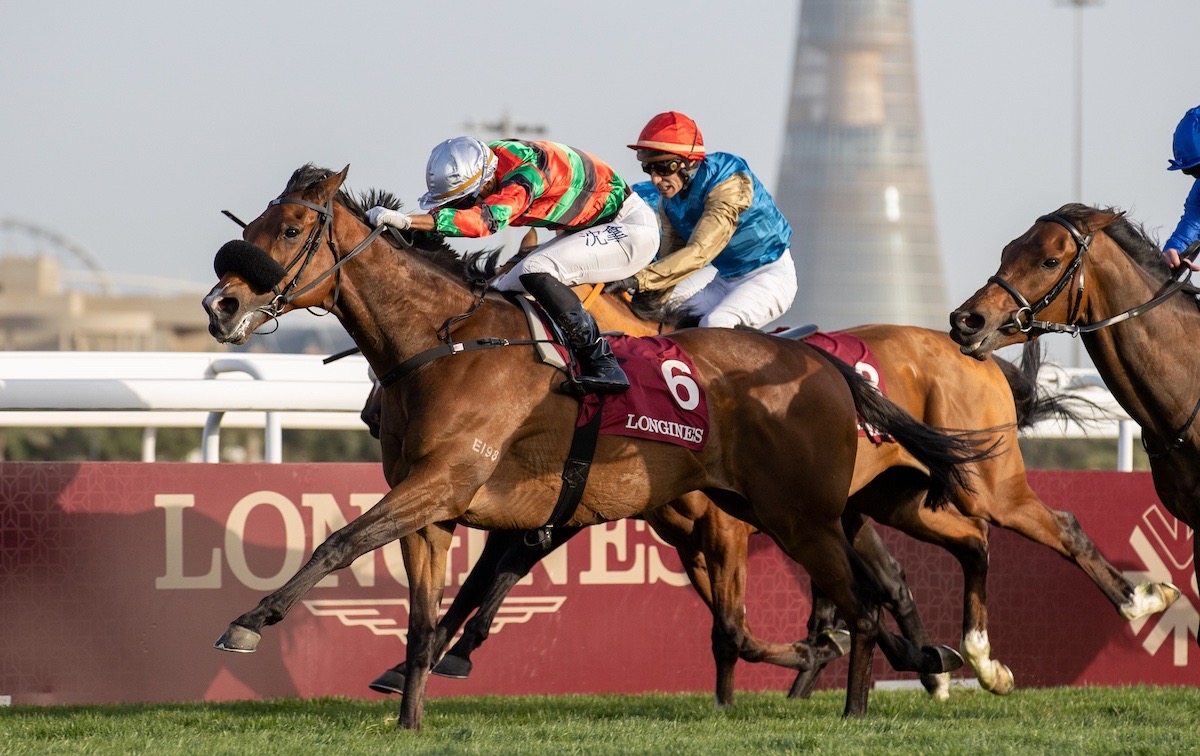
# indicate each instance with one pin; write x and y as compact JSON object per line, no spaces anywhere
{"x":229,"y":322}
{"x":976,"y":341}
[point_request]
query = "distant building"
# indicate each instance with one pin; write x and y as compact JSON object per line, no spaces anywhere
{"x":38,"y":314}
{"x":853,"y":181}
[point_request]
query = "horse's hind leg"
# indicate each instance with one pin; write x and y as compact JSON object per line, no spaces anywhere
{"x":824,"y":623}
{"x":712,"y":547}
{"x":898,"y":596}
{"x":479,"y":581}
{"x":514,"y":563}
{"x":966,"y":538}
{"x":823,"y":626}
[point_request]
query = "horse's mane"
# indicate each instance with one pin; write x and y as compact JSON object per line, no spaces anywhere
{"x":654,"y":306}
{"x":1130,"y":236}
{"x":431,"y":246}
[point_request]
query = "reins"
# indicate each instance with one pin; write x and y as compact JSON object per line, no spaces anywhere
{"x":1082,"y":244}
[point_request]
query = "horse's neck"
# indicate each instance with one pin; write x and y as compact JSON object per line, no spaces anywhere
{"x":393,"y":303}
{"x":1145,"y":361}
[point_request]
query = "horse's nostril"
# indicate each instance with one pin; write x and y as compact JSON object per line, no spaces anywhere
{"x":227,"y":305}
{"x":965,"y":321}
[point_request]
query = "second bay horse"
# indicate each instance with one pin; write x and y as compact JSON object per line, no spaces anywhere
{"x":780,"y":452}
{"x":1091,"y":272}
{"x":925,"y":374}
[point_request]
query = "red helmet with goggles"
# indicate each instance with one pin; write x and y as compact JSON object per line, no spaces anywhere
{"x":671,"y":133}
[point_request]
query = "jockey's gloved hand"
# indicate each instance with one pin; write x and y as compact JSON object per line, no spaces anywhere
{"x":394,"y":218}
{"x":624,"y":285}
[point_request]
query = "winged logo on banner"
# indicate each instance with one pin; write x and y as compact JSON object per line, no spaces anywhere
{"x":1165,"y":547}
{"x":383,"y":616}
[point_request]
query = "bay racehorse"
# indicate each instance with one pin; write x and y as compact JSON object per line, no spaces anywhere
{"x":780,"y":451}
{"x":1091,"y":272}
{"x":923,"y":373}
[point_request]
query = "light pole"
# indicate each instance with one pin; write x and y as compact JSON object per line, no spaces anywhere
{"x":1077,"y":168}
{"x":1077,"y":157}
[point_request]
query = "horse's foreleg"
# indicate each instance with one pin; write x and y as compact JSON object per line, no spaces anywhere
{"x":425,"y":561}
{"x":347,"y":544}
{"x":1021,"y":510}
{"x":409,"y":506}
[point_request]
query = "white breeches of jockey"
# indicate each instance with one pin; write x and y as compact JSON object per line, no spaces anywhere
{"x":752,"y":300}
{"x":608,"y":252}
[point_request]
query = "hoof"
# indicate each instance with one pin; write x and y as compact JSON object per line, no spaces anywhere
{"x":939,"y":658}
{"x":1005,"y":683}
{"x":839,"y":639}
{"x":1170,"y":593}
{"x":937,"y":686}
{"x":1147,"y":599}
{"x":239,"y":640}
{"x":453,"y":666}
{"x":391,"y":681}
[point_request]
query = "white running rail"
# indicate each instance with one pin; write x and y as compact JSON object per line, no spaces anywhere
{"x":152,"y":390}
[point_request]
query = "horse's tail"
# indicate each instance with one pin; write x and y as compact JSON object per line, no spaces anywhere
{"x":1035,"y":403}
{"x":945,"y":453}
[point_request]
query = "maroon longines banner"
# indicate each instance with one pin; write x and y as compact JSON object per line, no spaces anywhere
{"x":116,"y":579}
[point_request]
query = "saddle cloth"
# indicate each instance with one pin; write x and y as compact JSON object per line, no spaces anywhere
{"x":852,"y":350}
{"x":664,"y":402}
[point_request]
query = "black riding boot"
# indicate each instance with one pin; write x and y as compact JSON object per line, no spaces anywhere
{"x":600,"y":373}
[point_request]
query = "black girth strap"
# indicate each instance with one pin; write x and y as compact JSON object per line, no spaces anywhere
{"x":574,"y":480}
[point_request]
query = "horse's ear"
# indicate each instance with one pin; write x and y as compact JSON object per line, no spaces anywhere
{"x":1102,"y":220}
{"x":326,"y":188}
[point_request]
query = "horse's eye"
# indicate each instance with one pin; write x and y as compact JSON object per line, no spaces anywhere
{"x":1051,"y":263}
{"x":291,"y":232}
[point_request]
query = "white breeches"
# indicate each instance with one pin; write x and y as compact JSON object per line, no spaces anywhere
{"x":753,"y":300}
{"x":608,"y":252}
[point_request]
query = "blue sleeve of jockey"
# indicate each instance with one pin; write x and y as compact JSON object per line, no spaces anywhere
{"x":1188,"y":229}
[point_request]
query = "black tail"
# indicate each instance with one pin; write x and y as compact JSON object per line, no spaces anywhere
{"x":1035,"y":403}
{"x":945,"y":453}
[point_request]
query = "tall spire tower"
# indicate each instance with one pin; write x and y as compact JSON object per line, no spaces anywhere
{"x":854,"y":182}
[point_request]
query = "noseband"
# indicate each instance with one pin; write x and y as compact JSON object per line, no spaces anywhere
{"x":1023,"y":319}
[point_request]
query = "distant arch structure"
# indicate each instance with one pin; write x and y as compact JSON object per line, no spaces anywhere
{"x":29,"y":239}
{"x":80,"y":268}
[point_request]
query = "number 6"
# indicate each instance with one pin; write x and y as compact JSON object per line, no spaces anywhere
{"x":681,"y":382}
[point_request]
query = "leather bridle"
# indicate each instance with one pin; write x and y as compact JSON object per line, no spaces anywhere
{"x":1082,"y":243}
{"x":1075,"y":271}
{"x":322,"y":229}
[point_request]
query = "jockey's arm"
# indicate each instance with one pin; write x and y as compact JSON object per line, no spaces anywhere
{"x":722,"y":208}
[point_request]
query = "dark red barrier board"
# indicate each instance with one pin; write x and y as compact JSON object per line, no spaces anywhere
{"x":116,"y":579}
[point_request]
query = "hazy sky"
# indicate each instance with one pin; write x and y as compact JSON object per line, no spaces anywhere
{"x":128,"y":126}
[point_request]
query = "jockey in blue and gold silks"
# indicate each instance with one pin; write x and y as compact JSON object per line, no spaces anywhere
{"x":724,"y":252}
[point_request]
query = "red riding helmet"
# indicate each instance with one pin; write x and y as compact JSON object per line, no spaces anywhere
{"x":672,"y":133}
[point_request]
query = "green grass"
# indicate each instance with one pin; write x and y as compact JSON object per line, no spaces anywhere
{"x":1062,"y":720}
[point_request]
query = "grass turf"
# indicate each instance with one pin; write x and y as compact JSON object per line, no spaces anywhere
{"x":1060,"y":720}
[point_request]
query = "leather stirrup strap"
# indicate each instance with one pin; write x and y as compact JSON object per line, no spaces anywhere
{"x":593,"y":295}
{"x":574,"y":479}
